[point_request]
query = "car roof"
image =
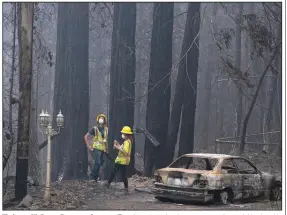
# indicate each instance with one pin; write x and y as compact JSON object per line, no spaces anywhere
{"x":209,"y":155}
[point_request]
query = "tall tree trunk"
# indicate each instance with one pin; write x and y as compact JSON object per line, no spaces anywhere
{"x":7,"y":155}
{"x":34,"y":152}
{"x":254,"y":119}
{"x":272,"y":95}
{"x":186,"y":142}
{"x":220,"y":130}
{"x":25,"y":84}
{"x":238,"y":110}
{"x":247,"y":55}
{"x":158,"y":111}
{"x":122,"y":77}
{"x":207,"y":100}
{"x":71,"y":91}
{"x":219,"y":96}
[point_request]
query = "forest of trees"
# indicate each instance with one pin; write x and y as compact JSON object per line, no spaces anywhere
{"x":191,"y":74}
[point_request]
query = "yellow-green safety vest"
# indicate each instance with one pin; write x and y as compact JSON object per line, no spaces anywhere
{"x":99,"y":140}
{"x":121,"y":158}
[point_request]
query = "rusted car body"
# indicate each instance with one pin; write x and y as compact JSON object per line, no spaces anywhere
{"x":208,"y":177}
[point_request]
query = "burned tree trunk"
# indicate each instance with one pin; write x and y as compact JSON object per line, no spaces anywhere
{"x":122,"y":76}
{"x":34,"y":152}
{"x":71,"y":93}
{"x":7,"y":154}
{"x":272,"y":96}
{"x":207,"y":100}
{"x":186,"y":62}
{"x":25,"y":84}
{"x":238,"y":109}
{"x":186,"y":142}
{"x":158,"y":102}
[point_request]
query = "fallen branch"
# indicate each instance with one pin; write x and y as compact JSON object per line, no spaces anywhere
{"x":143,"y":190}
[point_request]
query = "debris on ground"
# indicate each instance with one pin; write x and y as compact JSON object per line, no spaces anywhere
{"x":139,"y":162}
{"x":72,"y":194}
{"x":87,"y":195}
{"x":141,"y":184}
{"x":26,"y":202}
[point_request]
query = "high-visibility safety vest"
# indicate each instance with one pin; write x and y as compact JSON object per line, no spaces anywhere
{"x":99,"y":140}
{"x":122,"y":158}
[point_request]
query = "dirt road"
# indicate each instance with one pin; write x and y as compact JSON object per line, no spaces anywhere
{"x":86,"y":195}
{"x":144,"y":201}
{"x":115,"y":199}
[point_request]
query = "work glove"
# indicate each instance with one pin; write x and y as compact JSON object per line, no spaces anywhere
{"x":90,"y":148}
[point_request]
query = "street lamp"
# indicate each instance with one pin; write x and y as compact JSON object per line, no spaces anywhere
{"x":45,"y":123}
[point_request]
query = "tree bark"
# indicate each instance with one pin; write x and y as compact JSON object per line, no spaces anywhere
{"x":207,"y":101}
{"x":71,"y":91}
{"x":157,"y":113}
{"x":34,"y":152}
{"x":34,"y":159}
{"x":238,"y":111}
{"x":186,"y":142}
{"x":122,"y":77}
{"x":25,"y":84}
{"x":13,"y":69}
{"x":247,"y":57}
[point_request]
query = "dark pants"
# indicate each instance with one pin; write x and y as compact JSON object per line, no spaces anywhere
{"x":122,"y":169}
{"x":99,"y":161}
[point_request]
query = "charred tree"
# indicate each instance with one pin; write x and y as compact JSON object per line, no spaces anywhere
{"x":122,"y":77}
{"x":34,"y":152}
{"x":34,"y":159}
{"x":71,"y":91}
{"x":159,"y":90}
{"x":238,"y":109}
{"x":186,"y":141}
{"x":186,"y":62}
{"x":11,"y":136}
{"x":207,"y":100}
{"x":220,"y":99}
{"x":272,"y":95}
{"x":25,"y":84}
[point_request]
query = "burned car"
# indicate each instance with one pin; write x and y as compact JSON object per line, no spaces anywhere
{"x":213,"y":177}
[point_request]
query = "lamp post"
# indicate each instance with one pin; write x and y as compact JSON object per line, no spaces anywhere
{"x":45,"y":123}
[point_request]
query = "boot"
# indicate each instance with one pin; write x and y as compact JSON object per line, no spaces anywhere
{"x":126,"y":191}
{"x":92,"y":178}
{"x":107,"y":185}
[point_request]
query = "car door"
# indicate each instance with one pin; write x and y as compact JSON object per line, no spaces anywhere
{"x":251,"y":179}
{"x":231,"y":177}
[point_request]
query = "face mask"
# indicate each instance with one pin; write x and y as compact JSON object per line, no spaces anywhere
{"x":101,"y":121}
{"x":123,"y":136}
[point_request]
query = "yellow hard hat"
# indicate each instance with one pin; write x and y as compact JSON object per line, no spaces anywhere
{"x":102,"y":115}
{"x":126,"y":130}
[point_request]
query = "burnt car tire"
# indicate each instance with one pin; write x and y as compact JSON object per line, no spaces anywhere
{"x":276,"y":192}
{"x":162,"y":199}
{"x":224,"y":197}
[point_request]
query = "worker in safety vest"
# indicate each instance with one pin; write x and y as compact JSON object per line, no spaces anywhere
{"x":99,"y":147}
{"x":123,"y":159}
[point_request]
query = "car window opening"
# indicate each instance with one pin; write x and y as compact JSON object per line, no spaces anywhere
{"x":195,"y":163}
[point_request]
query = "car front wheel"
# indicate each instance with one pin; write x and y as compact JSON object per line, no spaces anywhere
{"x":276,"y":193}
{"x":162,"y":199}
